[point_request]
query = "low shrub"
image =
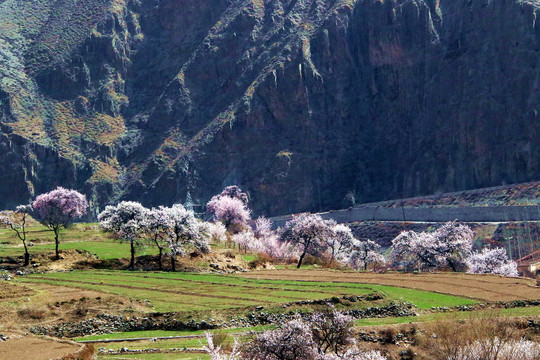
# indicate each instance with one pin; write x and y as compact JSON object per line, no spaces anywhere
{"x":32,"y":313}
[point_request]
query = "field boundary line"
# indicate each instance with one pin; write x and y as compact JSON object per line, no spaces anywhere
{"x":144,"y":288}
{"x":402,"y":287}
{"x":248,"y":286}
{"x":326,"y":278}
{"x":160,"y":338}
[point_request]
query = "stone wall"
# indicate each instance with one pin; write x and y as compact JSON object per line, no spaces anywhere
{"x":464,"y":214}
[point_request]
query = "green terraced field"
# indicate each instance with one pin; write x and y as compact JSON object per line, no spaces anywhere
{"x":198,"y":292}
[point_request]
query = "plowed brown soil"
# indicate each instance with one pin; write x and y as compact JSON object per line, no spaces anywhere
{"x":34,"y":348}
{"x":481,"y":287}
{"x":10,"y":291}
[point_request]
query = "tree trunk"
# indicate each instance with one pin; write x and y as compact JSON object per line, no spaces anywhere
{"x":452,"y":264}
{"x":160,"y":263}
{"x":365,"y":259}
{"x":173,"y":263}
{"x":26,"y":255}
{"x":300,"y":260}
{"x":57,"y":242}
{"x":132,"y":262}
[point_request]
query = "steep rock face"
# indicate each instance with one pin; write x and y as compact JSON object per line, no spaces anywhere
{"x":298,"y":101}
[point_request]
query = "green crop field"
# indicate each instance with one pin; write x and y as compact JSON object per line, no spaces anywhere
{"x":191,"y":292}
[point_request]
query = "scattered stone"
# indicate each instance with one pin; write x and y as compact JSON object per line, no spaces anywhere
{"x":106,"y":324}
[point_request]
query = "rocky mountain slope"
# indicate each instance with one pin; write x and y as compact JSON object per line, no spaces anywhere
{"x":300,"y":102}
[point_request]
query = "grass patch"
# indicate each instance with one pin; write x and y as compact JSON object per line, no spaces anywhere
{"x":39,"y":234}
{"x":170,"y":356}
{"x":249,"y":257}
{"x":164,"y":333}
{"x":82,"y":236}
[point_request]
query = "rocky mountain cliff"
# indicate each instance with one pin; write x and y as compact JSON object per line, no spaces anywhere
{"x":300,"y":102}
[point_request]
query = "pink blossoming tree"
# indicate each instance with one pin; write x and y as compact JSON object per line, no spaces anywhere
{"x":157,"y":225}
{"x":217,"y":232}
{"x":365,"y":253}
{"x":59,"y":208}
{"x":185,"y":231}
{"x":326,"y":336}
{"x":232,"y":212}
{"x":307,"y":233}
{"x":293,"y":341}
{"x":492,"y":261}
{"x":232,"y":192}
{"x":340,"y":241}
{"x":450,"y":245}
{"x":215,"y":351}
{"x":126,"y":220}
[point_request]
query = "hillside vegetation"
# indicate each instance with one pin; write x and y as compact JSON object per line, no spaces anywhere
{"x":315,"y":101}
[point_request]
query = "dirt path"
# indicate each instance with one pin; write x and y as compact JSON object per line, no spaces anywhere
{"x":482,"y":287}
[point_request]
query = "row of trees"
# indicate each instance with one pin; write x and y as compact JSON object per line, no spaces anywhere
{"x":173,"y":230}
{"x":450,"y":246}
{"x":176,"y":230}
{"x":304,"y":235}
